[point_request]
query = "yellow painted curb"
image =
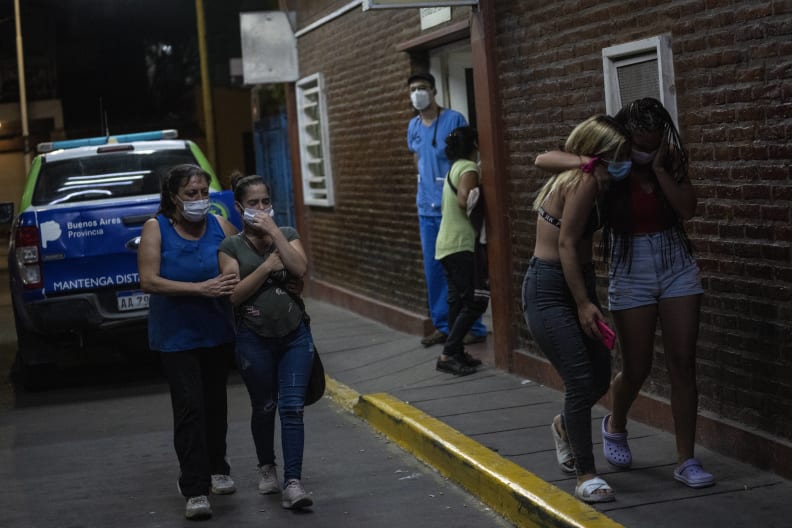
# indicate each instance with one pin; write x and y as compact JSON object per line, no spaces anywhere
{"x":341,"y":394}
{"x":512,"y":491}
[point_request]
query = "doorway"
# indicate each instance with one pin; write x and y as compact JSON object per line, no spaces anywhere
{"x":452,"y":68}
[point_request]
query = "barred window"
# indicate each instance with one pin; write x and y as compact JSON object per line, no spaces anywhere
{"x":317,"y":174}
{"x":638,"y":69}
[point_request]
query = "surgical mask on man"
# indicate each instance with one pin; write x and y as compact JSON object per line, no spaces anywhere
{"x":420,"y":99}
{"x":640,"y":157}
{"x":195,"y":210}
{"x":619,"y":169}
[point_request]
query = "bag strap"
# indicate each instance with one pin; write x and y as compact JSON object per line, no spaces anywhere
{"x":448,"y":179}
{"x":299,"y":301}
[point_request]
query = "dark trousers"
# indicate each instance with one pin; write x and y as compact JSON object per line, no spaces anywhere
{"x":583,"y":363}
{"x":463,"y":307}
{"x":197,"y":380}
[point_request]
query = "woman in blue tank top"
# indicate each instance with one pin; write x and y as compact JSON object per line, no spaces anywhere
{"x":191,"y":325}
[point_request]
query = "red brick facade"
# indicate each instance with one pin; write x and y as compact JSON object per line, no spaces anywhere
{"x":733,"y":71}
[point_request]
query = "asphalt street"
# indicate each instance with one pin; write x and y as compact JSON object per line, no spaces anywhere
{"x":96,"y":451}
{"x":101,"y":455}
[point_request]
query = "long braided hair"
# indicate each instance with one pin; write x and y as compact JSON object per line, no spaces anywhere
{"x":649,"y":115}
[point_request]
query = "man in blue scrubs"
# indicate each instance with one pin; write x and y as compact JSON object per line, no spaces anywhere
{"x":426,"y":135}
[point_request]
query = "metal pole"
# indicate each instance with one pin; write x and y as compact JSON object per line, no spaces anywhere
{"x":22,"y":89}
{"x":206,"y":89}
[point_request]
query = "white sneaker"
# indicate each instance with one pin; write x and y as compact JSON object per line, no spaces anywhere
{"x":222,"y":485}
{"x":295,"y":496}
{"x":269,"y":479}
{"x":198,"y":508}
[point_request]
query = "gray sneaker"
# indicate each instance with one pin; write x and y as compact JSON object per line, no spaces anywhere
{"x":269,"y":480}
{"x":198,"y":508}
{"x":223,"y":485}
{"x":294,"y":496}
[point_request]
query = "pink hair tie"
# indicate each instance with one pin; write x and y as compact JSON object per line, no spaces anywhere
{"x":589,"y":167}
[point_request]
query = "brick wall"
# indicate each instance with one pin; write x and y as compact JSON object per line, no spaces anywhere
{"x":369,"y":242}
{"x":733,"y":70}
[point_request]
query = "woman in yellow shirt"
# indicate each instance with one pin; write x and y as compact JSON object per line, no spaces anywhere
{"x":455,"y":248}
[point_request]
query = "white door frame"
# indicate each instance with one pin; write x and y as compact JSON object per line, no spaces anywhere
{"x":448,"y":64}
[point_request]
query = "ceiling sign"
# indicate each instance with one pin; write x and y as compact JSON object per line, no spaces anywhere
{"x":395,"y":4}
{"x":269,"y":49}
{"x":433,"y":16}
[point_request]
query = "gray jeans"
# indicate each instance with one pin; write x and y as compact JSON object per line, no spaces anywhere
{"x":583,"y":363}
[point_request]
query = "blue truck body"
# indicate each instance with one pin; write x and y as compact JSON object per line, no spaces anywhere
{"x":73,"y":248}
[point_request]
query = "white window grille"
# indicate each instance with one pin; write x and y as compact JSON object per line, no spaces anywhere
{"x":643,"y":68}
{"x":317,"y":176}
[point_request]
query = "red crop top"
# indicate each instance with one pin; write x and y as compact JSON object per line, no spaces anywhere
{"x":647,"y":216}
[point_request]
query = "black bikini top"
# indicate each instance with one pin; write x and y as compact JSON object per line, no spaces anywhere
{"x":593,"y":223}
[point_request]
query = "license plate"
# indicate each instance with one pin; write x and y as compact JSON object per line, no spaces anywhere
{"x":132,"y":300}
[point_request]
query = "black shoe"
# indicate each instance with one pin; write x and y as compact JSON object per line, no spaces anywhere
{"x":472,"y":339}
{"x":454,"y":366}
{"x":469,"y":360}
{"x":435,"y":338}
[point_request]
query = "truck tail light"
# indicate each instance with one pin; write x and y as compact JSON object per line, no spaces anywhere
{"x":28,"y":257}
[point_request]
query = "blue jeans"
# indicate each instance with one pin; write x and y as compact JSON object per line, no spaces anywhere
{"x":583,"y":363}
{"x":436,"y":285}
{"x":197,"y":381}
{"x":276,"y":372}
{"x":661,"y":268}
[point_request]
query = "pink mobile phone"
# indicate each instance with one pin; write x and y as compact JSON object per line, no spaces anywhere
{"x":608,"y":336}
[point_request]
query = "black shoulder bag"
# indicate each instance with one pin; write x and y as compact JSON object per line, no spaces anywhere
{"x":475,"y":213}
{"x":316,"y":383}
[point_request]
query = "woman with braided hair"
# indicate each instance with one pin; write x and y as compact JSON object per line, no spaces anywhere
{"x":652,"y":274}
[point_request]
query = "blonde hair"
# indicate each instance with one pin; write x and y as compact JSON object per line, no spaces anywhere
{"x":600,"y":136}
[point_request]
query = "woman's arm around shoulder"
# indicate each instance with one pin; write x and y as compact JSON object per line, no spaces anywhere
{"x":559,"y":161}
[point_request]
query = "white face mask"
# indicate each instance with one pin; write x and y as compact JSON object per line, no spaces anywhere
{"x":195,"y":210}
{"x":420,"y":99}
{"x":250,"y":214}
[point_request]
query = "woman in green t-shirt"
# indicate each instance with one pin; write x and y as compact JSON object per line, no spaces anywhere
{"x":274,"y":346}
{"x":455,"y":248}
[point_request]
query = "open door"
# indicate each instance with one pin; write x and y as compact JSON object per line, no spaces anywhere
{"x":452,"y":67}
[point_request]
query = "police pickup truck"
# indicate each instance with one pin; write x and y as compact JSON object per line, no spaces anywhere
{"x":72,"y":252}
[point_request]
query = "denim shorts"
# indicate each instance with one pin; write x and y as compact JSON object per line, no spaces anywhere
{"x":661,"y":268}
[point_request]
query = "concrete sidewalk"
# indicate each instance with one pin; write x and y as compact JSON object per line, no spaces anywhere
{"x":490,"y":433}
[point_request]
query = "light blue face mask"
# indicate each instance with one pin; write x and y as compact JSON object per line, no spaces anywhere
{"x":250,"y":213}
{"x":619,"y":169}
